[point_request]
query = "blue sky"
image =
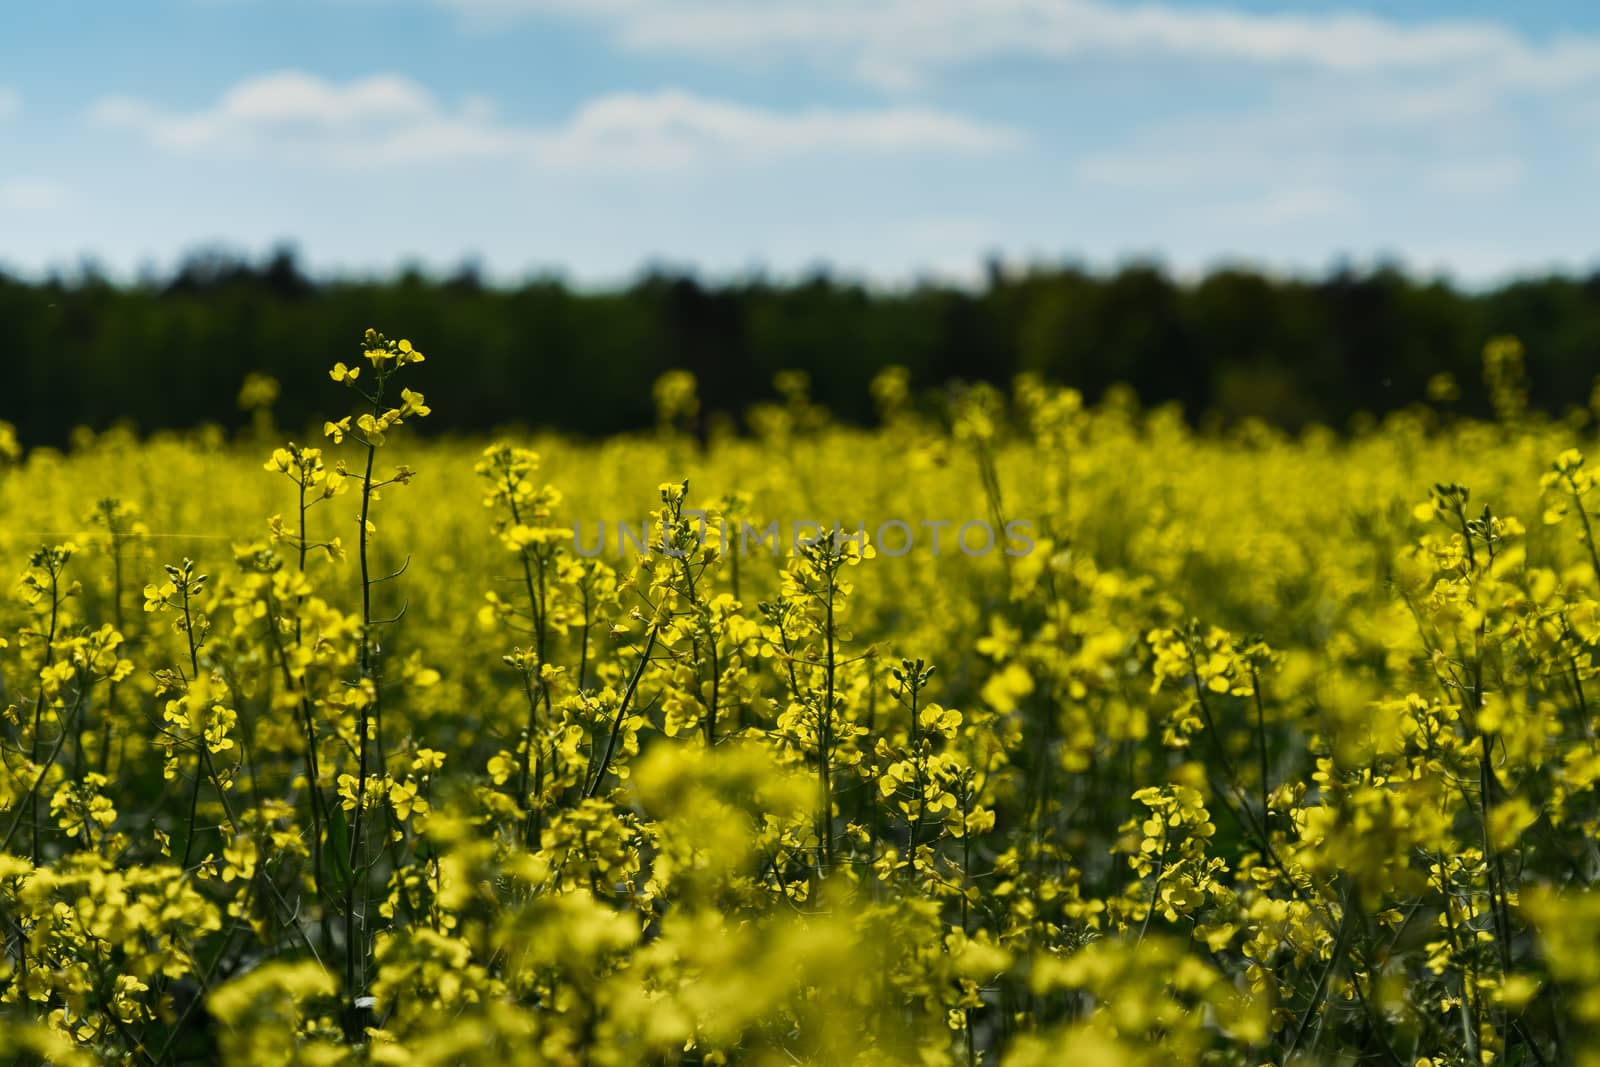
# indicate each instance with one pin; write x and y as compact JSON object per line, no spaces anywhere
{"x":889,"y":139}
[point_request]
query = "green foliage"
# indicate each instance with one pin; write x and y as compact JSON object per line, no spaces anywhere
{"x":169,"y":354}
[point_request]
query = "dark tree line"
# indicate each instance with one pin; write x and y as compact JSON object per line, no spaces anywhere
{"x":171,"y":353}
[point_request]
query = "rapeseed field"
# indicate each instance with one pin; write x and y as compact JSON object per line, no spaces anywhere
{"x":1011,"y":731}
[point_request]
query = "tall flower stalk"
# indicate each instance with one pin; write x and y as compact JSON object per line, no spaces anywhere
{"x":370,"y":429}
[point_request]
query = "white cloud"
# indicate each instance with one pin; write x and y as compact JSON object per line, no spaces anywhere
{"x":1321,"y":134}
{"x":1289,"y":206}
{"x":675,"y":128}
{"x":293,"y":96}
{"x":1205,"y":153}
{"x":1476,"y":177}
{"x":283,"y":103}
{"x":391,"y":119}
{"x":10,"y":102}
{"x":1344,"y":95}
{"x":31,"y":194}
{"x":896,"y":42}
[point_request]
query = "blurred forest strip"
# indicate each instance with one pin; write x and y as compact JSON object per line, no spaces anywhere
{"x":172,"y":353}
